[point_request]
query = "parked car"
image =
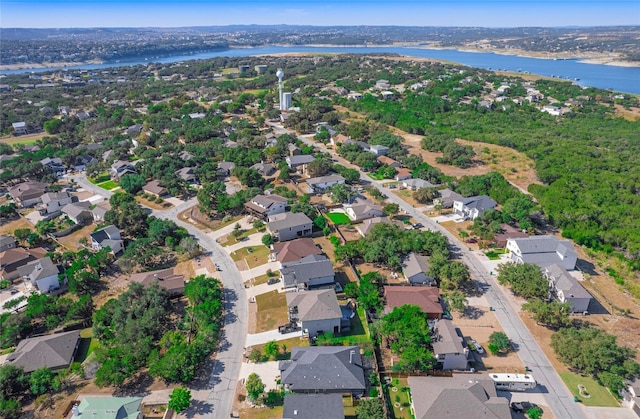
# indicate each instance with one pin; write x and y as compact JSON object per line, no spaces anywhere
{"x":417,"y":225}
{"x":273,"y":281}
{"x":475,"y":344}
{"x":287,"y":328}
{"x":522,"y":406}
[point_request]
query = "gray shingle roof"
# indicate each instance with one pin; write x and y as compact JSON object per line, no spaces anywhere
{"x":460,"y":396}
{"x":446,"y":340}
{"x":324,"y":368}
{"x":480,"y":202}
{"x":304,"y":270}
{"x":300,"y":159}
{"x":287,"y":220}
{"x":315,"y":305}
{"x":52,"y":351}
{"x":564,"y":282}
{"x":40,"y":268}
{"x":313,"y":406}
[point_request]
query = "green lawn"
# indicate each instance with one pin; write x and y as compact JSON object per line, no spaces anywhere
{"x":254,"y":255}
{"x":399,"y":398}
{"x":102,"y":177}
{"x":599,"y":395}
{"x":86,"y":346}
{"x":108,"y":185}
{"x":339,"y":218}
{"x":231,"y":239}
{"x":359,"y":331}
{"x":262,"y":279}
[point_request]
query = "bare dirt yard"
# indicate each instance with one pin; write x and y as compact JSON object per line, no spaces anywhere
{"x":13,"y":225}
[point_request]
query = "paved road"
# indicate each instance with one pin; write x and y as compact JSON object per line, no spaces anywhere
{"x":558,"y":396}
{"x":216,"y":399}
{"x":83,"y":182}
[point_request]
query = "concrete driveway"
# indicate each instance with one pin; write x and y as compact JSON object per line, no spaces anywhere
{"x":268,"y":372}
{"x":268,"y":336}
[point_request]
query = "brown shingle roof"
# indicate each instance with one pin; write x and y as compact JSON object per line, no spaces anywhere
{"x":295,"y":249}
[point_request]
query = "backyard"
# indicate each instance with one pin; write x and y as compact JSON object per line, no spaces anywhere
{"x":272,"y":311}
{"x":339,"y":218}
{"x":398,"y":396}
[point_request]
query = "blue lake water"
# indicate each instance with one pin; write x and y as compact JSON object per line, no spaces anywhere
{"x":621,"y":79}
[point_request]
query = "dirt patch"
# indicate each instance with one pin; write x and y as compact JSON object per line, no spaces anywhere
{"x":11,"y":226}
{"x":186,"y":268}
{"x":154,"y":205}
{"x":631,"y":114}
{"x":196,"y":218}
{"x":271,"y":311}
{"x":72,"y":241}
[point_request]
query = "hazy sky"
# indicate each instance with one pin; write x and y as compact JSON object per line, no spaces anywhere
{"x":166,"y":13}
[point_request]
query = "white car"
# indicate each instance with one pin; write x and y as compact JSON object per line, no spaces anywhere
{"x":479,"y":348}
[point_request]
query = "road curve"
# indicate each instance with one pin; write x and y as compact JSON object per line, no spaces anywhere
{"x":558,"y":396}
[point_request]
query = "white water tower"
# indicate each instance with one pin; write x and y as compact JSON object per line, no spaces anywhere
{"x":280,"y":75}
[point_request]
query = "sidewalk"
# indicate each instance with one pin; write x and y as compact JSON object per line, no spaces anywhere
{"x":264,"y":337}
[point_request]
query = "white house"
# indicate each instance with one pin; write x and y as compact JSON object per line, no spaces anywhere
{"x":361,"y":209}
{"x":543,"y":251}
{"x":307,"y":272}
{"x":266,"y":205}
{"x":566,"y":289}
{"x":289,"y":225}
{"x":473,"y":207}
{"x":41,"y":273}
{"x":108,"y":236}
{"x":320,"y":184}
{"x":317,"y":311}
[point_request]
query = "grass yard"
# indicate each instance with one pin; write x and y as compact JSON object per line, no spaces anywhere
{"x":11,"y":226}
{"x":102,"y":177}
{"x":495,"y":254}
{"x":86,"y":346}
{"x":283,"y":355}
{"x":108,"y":185}
{"x":359,"y":332}
{"x":339,"y":218}
{"x":263,"y":413}
{"x":254,"y":255}
{"x":231,"y":239}
{"x":262,"y":279}
{"x":272,"y":311}
{"x":598,"y":395}
{"x":399,"y":399}
{"x":72,"y":241}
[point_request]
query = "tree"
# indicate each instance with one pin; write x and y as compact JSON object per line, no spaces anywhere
{"x":525,"y":279}
{"x":10,"y":408}
{"x":179,"y":399}
{"x":370,"y":409}
{"x":425,"y":195}
{"x":498,"y":341}
{"x":534,"y":413}
{"x":210,"y":196}
{"x":391,"y":209}
{"x":42,"y":381}
{"x":13,"y":381}
{"x":552,"y":314}
{"x":132,"y":183}
{"x":341,"y":193}
{"x":267,"y":240}
{"x":255,"y":386}
{"x":127,"y":215}
{"x":271,"y":349}
{"x":22,"y":234}
{"x":456,"y":300}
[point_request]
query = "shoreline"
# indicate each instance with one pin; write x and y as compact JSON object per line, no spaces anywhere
{"x":601,"y":59}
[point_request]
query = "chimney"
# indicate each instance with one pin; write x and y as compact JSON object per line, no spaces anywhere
{"x":351,"y":354}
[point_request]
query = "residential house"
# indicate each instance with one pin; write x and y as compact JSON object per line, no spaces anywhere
{"x":266,"y":205}
{"x":447,"y":198}
{"x":120,"y":168}
{"x":265,"y":169}
{"x":299,"y":163}
{"x":27,"y":194}
{"x":631,"y":395}
{"x":316,"y":311}
{"x":78,"y":212}
{"x":19,"y":128}
{"x":187,"y":174}
{"x":307,"y":272}
{"x":108,"y":236}
{"x":543,"y":251}
{"x":98,"y":213}
{"x":320,"y":184}
{"x":165,"y":278}
{"x":387,"y":95}
{"x":361,"y":209}
{"x":415,"y":184}
{"x":459,"y":396}
{"x":378,"y":150}
{"x":473,"y":207}
{"x":448,"y":346}
{"x":403,"y":173}
{"x":507,"y":232}
{"x":324,"y":369}
{"x":294,"y":150}
{"x":427,"y":298}
{"x":84,"y":161}
{"x":197,"y":115}
{"x":53,"y":202}
{"x":185,"y":155}
{"x":566,"y":289}
{"x":226,"y":167}
{"x":41,"y":273}
{"x":365,"y":227}
{"x":270,"y":139}
{"x":293,"y":250}
{"x":55,"y":352}
{"x":388,"y":161}
{"x":7,"y":242}
{"x":12,"y":259}
{"x":313,"y":406}
{"x":153,"y":187}
{"x":107,"y":407}
{"x":383,"y":84}
{"x":338,"y":139}
{"x":415,"y":268}
{"x":289,"y":225}
{"x":355,"y":96}
{"x":55,"y":164}
{"x":134,"y":130}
